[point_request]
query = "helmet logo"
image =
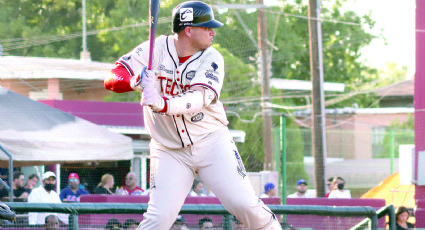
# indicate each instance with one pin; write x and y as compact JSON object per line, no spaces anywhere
{"x":186,"y":14}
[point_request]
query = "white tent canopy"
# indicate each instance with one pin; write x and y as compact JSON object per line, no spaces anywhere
{"x":37,"y":134}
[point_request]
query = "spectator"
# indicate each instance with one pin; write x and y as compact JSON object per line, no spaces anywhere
{"x":19,"y":191}
{"x":106,"y":185}
{"x":73,"y":192}
{"x":180,"y":223}
{"x":269,"y":190}
{"x":301,"y":190}
{"x":401,"y":216}
{"x":329,"y":186}
{"x":113,"y":224}
{"x":130,"y":185}
{"x":32,"y":182}
{"x":339,"y":191}
{"x":45,"y":194}
{"x":197,"y":189}
{"x":130,"y":224}
{"x":51,"y":222}
{"x":205,"y":223}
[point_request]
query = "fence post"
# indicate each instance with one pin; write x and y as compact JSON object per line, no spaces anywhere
{"x":228,"y":222}
{"x":73,"y":222}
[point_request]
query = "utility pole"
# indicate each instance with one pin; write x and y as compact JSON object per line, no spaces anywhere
{"x":265,"y":90}
{"x":85,"y":54}
{"x":316,"y":70}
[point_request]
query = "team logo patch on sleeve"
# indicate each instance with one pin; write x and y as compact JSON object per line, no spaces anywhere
{"x":126,"y":58}
{"x":198,"y":117}
{"x":214,"y":66}
{"x":210,"y":75}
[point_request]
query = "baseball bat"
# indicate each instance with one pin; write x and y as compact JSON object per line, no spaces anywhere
{"x":153,"y":20}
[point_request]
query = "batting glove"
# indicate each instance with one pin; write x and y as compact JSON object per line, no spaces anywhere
{"x":151,"y":97}
{"x":145,"y":79}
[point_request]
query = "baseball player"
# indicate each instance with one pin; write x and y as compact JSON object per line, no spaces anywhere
{"x":187,"y":122}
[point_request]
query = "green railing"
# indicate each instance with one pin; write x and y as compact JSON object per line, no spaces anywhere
{"x":75,"y":209}
{"x":385,"y":211}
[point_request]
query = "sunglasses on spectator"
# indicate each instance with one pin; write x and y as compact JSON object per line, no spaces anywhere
{"x":73,"y":180}
{"x":129,"y":178}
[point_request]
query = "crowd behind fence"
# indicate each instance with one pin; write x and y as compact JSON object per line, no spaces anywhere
{"x":332,"y":217}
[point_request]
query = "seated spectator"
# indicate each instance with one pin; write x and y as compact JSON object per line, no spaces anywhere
{"x":401,"y":216}
{"x":197,"y":189}
{"x":113,"y":224}
{"x":106,"y":185}
{"x":19,"y":191}
{"x":73,"y":192}
{"x":205,"y":223}
{"x":269,"y":190}
{"x":130,"y":185}
{"x":329,"y":186}
{"x":339,"y":191}
{"x":45,"y":194}
{"x":32,"y":181}
{"x":180,"y":223}
{"x":301,"y":190}
{"x":130,"y":224}
{"x":51,"y":222}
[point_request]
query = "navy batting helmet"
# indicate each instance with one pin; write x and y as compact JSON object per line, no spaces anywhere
{"x":193,"y":13}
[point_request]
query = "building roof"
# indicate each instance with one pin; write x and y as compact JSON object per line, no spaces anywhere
{"x":401,"y":88}
{"x":15,"y":67}
{"x":304,"y":85}
{"x":349,"y":110}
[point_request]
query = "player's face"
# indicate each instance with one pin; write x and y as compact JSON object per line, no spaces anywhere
{"x":202,"y":37}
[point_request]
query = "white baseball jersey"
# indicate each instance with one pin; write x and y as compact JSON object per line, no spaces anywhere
{"x":204,"y":68}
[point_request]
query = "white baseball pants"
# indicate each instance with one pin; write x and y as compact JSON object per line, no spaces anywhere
{"x":219,"y":166}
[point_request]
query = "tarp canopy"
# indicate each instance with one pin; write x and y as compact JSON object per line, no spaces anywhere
{"x":37,"y":134}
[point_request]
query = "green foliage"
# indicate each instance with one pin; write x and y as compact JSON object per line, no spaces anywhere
{"x":53,"y":29}
{"x":397,"y":134}
{"x":294,"y":155}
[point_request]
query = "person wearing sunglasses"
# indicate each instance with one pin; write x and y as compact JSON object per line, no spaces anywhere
{"x":73,"y":192}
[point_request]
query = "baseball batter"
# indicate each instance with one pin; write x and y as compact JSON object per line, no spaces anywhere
{"x":187,"y":122}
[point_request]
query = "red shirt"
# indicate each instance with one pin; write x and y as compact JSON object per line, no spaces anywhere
{"x":136,"y":191}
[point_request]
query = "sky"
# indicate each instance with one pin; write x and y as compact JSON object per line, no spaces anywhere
{"x":397,"y":19}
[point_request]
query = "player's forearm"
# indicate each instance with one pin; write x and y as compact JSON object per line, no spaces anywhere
{"x":191,"y":101}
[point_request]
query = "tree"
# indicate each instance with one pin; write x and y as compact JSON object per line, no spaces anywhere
{"x":398,"y":134}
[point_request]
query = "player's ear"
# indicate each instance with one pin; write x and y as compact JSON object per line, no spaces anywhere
{"x":188,"y":31}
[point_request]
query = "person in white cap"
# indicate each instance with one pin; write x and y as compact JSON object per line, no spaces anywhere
{"x":45,"y":194}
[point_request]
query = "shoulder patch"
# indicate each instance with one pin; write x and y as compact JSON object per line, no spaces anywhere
{"x":210,"y":74}
{"x":214,"y":66}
